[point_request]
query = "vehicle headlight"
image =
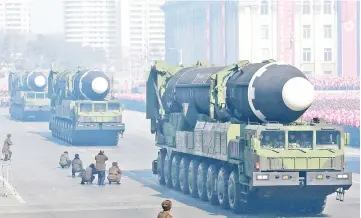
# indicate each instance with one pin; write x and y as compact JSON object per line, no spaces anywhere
{"x":342,"y":176}
{"x":120,"y":124}
{"x":80,"y":125}
{"x":319,"y":177}
{"x":262,"y":177}
{"x":285,"y":177}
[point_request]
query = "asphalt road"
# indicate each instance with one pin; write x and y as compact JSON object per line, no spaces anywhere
{"x":38,"y":188}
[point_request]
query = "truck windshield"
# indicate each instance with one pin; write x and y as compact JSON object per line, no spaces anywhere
{"x":100,"y":107}
{"x":300,"y":139}
{"x":30,"y":95}
{"x":273,"y":139}
{"x":328,"y":139}
{"x":85,"y":107}
{"x":113,"y":106}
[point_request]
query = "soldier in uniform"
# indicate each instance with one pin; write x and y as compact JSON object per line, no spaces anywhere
{"x":65,"y":160}
{"x":166,"y":205}
{"x":88,"y":176}
{"x":77,"y":166}
{"x":6,"y":151}
{"x":292,"y":141}
{"x":305,"y":141}
{"x":279,"y":142}
{"x":114,"y":173}
{"x":267,"y":142}
{"x":100,"y":166}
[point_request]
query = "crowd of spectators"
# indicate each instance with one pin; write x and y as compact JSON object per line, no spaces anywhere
{"x":335,"y":83}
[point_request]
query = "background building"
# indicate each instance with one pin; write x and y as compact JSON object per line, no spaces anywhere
{"x":142,"y":33}
{"x":15,"y":16}
{"x":308,"y":34}
{"x":93,"y":23}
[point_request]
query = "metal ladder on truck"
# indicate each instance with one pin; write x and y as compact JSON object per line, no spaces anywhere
{"x":5,"y":175}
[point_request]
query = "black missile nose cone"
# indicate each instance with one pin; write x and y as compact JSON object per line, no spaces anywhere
{"x":279,"y":92}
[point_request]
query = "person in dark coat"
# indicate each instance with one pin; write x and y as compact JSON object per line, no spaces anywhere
{"x":88,"y":175}
{"x":77,"y":166}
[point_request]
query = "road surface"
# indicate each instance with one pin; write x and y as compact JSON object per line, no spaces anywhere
{"x":39,"y":188}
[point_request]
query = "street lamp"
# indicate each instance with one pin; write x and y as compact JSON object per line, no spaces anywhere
{"x":180,"y":54}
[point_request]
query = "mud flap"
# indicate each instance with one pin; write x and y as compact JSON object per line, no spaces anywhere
{"x":154,"y":166}
{"x":340,"y":194}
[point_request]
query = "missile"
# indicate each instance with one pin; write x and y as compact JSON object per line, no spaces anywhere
{"x":259,"y":92}
{"x":35,"y":81}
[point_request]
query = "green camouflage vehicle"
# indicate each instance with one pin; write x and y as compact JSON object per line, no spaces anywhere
{"x":82,"y":114}
{"x":28,"y":96}
{"x":232,"y":136}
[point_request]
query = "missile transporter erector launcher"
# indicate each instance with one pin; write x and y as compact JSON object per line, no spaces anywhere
{"x":230,"y":136}
{"x":82,"y":114}
{"x":28,"y":94}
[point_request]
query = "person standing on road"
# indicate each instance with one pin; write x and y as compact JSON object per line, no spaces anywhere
{"x":166,"y":205}
{"x":100,"y":166}
{"x":77,"y":166}
{"x":6,"y":148}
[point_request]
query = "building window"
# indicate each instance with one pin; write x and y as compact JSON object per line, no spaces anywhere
{"x":306,"y":7}
{"x":264,"y":8}
{"x":306,"y":31}
{"x":327,"y":30}
{"x":327,"y":54}
{"x":306,"y":55}
{"x":327,"y":72}
{"x":327,"y":7}
{"x":264,"y":32}
{"x":265,"y":53}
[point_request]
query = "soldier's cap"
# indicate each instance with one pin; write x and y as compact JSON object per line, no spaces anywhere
{"x":166,"y":205}
{"x":65,"y":152}
{"x":114,"y":163}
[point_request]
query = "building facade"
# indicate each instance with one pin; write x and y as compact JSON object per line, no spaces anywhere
{"x":142,"y":33}
{"x":303,"y":33}
{"x":93,"y":23}
{"x":15,"y":16}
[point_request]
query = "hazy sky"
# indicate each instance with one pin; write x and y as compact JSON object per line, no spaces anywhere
{"x":47,"y":16}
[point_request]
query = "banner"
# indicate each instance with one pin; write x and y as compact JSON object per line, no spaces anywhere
{"x":348,"y":29}
{"x":285,"y":31}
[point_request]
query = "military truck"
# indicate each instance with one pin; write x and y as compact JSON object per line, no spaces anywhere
{"x":231,"y":135}
{"x":28,"y":96}
{"x":82,"y":111}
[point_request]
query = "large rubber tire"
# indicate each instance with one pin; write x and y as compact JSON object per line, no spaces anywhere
{"x":317,"y":205}
{"x":222,"y":188}
{"x":160,"y":168}
{"x":183,"y":175}
{"x":192,"y":178}
{"x":211,"y":185}
{"x":167,"y":170}
{"x":308,"y":206}
{"x":202,"y":181}
{"x":175,"y":171}
{"x":234,"y":194}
